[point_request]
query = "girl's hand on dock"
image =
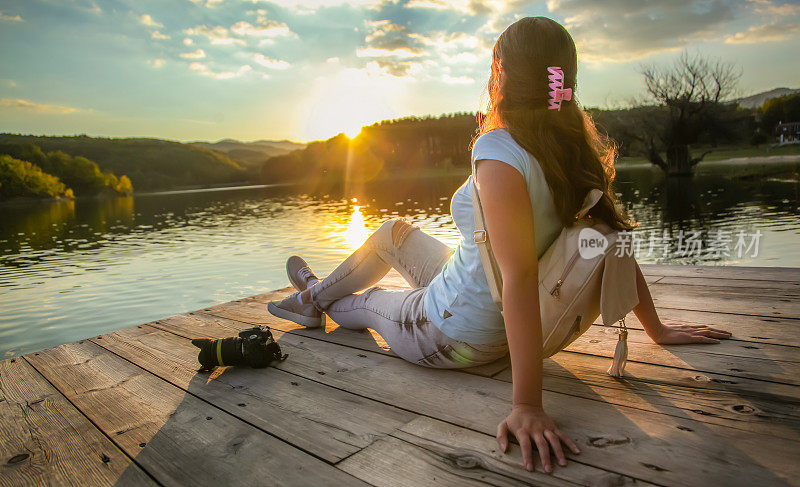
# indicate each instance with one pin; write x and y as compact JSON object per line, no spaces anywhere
{"x":531,"y":424}
{"x":679,"y":334}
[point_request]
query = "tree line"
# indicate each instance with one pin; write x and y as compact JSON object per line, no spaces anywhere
{"x":409,"y":144}
{"x":150,"y":164}
{"x":27,"y":171}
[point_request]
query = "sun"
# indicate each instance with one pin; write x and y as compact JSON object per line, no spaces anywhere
{"x":352,"y":133}
{"x":347,"y":100}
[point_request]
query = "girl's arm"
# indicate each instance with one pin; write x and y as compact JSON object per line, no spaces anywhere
{"x":509,"y":222}
{"x":672,"y":334}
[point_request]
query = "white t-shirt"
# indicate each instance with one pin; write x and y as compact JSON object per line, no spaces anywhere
{"x":458,"y":300}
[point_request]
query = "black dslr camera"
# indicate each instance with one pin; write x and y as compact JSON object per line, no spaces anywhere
{"x":254,"y":347}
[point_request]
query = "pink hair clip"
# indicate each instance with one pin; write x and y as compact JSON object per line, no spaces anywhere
{"x":557,"y":90}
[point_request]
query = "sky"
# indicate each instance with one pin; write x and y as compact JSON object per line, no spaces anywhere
{"x":309,"y":69}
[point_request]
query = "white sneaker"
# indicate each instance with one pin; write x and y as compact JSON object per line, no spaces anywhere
{"x":299,"y":273}
{"x":291,"y":309}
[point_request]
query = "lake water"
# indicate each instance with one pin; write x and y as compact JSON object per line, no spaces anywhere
{"x":70,"y":270}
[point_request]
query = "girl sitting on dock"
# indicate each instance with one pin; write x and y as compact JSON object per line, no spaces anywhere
{"x":538,"y":154}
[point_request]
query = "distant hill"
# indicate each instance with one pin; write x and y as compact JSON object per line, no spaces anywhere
{"x":251,"y":153}
{"x":755,"y":101}
{"x":149,"y":163}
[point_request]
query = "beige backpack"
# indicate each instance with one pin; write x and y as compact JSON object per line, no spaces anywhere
{"x":586,"y":272}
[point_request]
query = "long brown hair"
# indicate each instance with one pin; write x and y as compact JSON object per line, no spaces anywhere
{"x":574,"y":157}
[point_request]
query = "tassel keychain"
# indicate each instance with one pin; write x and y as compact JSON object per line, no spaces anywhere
{"x":620,"y":353}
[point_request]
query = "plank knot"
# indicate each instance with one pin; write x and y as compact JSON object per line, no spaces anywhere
{"x":18,"y":458}
{"x":465,"y":460}
{"x":604,"y":441}
{"x":743,"y":409}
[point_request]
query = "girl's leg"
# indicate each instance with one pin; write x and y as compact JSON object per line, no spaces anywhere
{"x":399,"y":317}
{"x":417,"y":256}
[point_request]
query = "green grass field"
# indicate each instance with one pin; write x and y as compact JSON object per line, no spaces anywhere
{"x":723,"y":153}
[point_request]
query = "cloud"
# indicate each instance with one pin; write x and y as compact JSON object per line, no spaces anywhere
{"x":308,"y":7}
{"x":156,"y":63}
{"x":217,"y":35}
{"x":448,"y":40}
{"x":624,"y":30}
{"x":207,"y":3}
{"x":472,"y":7}
{"x":29,"y":106}
{"x":454,"y":47}
{"x":457,"y":80}
{"x":462,"y":58}
{"x":147,"y":20}
{"x":401,"y":52}
{"x":775,"y":31}
{"x":269,"y":62}
{"x":10,"y":18}
{"x":205,"y":70}
{"x":158,"y":35}
{"x":9,"y":82}
{"x":769,"y":8}
{"x":198,"y":54}
{"x":188,"y":41}
{"x":269,"y":28}
{"x":388,"y":39}
{"x":393,"y":67}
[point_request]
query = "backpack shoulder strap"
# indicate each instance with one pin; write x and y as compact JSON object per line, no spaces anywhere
{"x":481,"y":238}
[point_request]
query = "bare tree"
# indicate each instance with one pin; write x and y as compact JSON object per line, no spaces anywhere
{"x":690,"y":93}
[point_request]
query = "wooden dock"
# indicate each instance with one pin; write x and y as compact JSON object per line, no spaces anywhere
{"x":129,"y":407}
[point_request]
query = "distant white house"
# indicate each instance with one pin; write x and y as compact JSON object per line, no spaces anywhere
{"x":788,"y":133}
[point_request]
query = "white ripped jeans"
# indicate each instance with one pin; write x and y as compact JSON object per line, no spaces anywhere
{"x":398,"y":316}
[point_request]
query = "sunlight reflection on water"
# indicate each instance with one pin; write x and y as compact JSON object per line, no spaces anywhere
{"x":355,"y":233}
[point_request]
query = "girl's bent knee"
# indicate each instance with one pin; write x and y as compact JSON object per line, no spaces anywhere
{"x":401,"y":228}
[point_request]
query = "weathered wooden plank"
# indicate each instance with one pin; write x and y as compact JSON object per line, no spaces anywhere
{"x":730,"y":347}
{"x":790,"y":274}
{"x":254,"y":310}
{"x":749,"y":301}
{"x":756,"y":329}
{"x":44,"y":440}
{"x":445,"y":452}
{"x":390,"y":462}
{"x":750,"y":405}
{"x":639,"y":444}
{"x":764,"y":362}
{"x":762,"y":286}
{"x":178,"y":438}
{"x":327,"y":422}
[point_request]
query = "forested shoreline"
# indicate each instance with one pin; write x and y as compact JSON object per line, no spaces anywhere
{"x":28,"y":172}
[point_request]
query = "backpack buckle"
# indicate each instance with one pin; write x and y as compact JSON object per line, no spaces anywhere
{"x":479,"y":236}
